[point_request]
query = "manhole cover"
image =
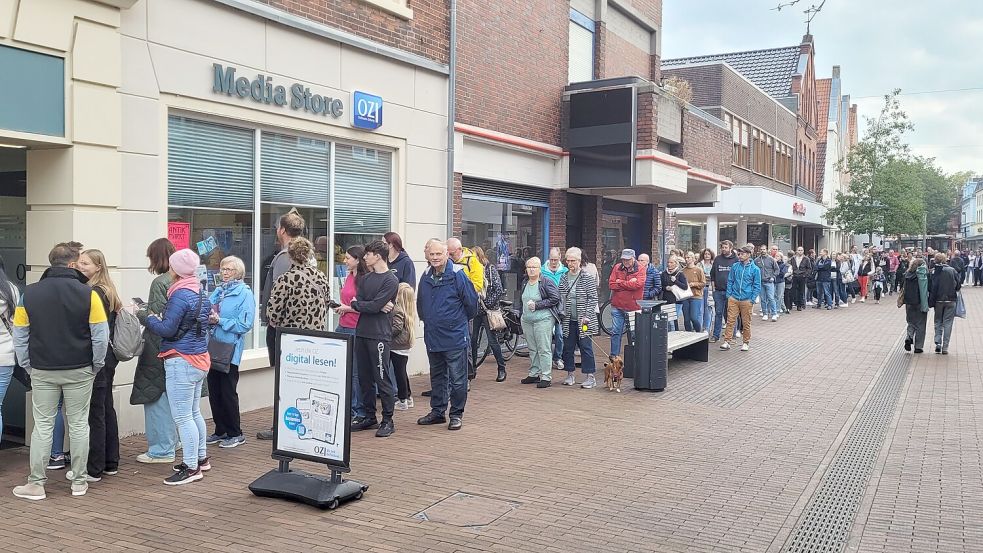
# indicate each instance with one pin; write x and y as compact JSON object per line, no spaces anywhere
{"x":466,"y":510}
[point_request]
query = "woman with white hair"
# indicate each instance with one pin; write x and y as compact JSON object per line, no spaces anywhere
{"x":233,"y":312}
{"x":578,"y":315}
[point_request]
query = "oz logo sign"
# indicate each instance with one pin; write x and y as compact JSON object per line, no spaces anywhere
{"x":366,"y":111}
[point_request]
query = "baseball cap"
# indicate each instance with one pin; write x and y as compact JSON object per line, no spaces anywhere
{"x":628,"y":254}
{"x":748,"y":249}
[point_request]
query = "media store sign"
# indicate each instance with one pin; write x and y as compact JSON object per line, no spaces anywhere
{"x":297,"y":96}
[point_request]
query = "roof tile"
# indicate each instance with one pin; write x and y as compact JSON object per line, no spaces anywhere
{"x":770,"y":69}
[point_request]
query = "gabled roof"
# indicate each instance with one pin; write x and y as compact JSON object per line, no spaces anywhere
{"x":822,"y":95}
{"x":770,"y":69}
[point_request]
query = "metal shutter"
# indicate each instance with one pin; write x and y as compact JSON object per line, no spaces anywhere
{"x":294,"y":170}
{"x":508,"y":192}
{"x":209,"y":164}
{"x":581,"y":62}
{"x":363,"y":177}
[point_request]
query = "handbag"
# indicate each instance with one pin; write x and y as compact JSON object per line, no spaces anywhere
{"x":220,"y":354}
{"x":496,"y":321}
{"x":681,"y":293}
{"x":960,"y":306}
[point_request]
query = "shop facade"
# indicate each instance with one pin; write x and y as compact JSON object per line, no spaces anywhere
{"x":196,"y":134}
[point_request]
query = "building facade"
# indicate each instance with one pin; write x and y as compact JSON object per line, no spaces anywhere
{"x":204,"y":121}
{"x":971,"y":215}
{"x":837,"y":137}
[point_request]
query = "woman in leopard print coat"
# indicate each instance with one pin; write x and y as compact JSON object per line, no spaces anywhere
{"x":300,"y":296}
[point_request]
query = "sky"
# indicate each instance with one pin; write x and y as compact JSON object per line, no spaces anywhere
{"x":879,"y":45}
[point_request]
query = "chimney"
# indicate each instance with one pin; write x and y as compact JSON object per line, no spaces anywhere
{"x":836,"y":71}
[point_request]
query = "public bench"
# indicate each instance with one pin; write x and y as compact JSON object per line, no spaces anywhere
{"x":686,"y":345}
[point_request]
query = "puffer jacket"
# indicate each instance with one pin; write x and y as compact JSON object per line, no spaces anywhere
{"x":237,"y":313}
{"x":179,"y":327}
{"x":585,"y":301}
{"x":148,"y":378}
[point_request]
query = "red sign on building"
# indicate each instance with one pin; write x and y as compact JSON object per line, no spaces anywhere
{"x":799,"y":208}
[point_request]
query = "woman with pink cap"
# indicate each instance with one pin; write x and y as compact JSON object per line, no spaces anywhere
{"x":183,"y":328}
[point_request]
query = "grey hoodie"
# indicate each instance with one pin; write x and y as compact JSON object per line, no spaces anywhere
{"x":768,"y":266}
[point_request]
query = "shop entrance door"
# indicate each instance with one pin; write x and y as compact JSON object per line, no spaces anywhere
{"x":13,"y":250}
{"x":618,"y":231}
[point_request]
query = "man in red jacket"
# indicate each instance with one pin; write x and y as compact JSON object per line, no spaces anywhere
{"x":627,"y":283}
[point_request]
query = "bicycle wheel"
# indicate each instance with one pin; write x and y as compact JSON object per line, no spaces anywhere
{"x":509,"y":341}
{"x":484,"y":348}
{"x":604,"y":319}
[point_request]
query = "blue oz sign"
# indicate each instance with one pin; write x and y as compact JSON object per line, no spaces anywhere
{"x":366,"y":111}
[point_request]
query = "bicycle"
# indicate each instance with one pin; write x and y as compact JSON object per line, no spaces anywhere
{"x":605,"y":320}
{"x":509,"y":337}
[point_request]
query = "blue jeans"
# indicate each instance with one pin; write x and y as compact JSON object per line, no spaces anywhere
{"x":160,"y":429}
{"x":58,"y":434}
{"x":693,"y":313}
{"x":5,"y":374}
{"x":618,"y":320}
{"x":184,"y":395}
{"x":707,"y":310}
{"x":780,"y":295}
{"x":574,"y":340}
{"x":839,"y":292}
{"x":720,"y":305}
{"x":357,"y":410}
{"x":448,"y":381}
{"x":824,"y":294}
{"x":557,"y":342}
{"x":768,"y":305}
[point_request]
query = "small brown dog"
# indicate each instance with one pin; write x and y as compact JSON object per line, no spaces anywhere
{"x":614,"y":371}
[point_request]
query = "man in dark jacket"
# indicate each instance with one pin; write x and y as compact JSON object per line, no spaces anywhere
{"x":445,"y":303}
{"x":719,"y":272}
{"x":801,"y":271}
{"x":769,"y":276}
{"x":942,"y":295}
{"x":824,"y":269}
{"x":61,"y":336}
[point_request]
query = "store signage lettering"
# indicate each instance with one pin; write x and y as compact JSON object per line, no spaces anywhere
{"x":799,"y":208}
{"x":366,"y":111}
{"x":261,"y":89}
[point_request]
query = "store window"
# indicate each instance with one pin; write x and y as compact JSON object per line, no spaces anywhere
{"x":509,"y":233}
{"x":690,"y":238}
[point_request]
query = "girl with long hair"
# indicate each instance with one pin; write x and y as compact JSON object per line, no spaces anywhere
{"x":103,"y":423}
{"x":404,"y":335}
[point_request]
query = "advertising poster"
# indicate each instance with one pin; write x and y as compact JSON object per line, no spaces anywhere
{"x":179,"y":234}
{"x":313,"y":397}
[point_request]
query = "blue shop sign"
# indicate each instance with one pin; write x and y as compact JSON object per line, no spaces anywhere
{"x":366,"y":111}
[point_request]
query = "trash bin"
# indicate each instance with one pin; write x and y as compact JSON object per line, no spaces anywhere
{"x":651,"y":351}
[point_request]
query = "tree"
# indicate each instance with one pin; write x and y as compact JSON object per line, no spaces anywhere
{"x":879,"y":197}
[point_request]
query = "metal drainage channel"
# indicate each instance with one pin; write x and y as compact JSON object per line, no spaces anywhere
{"x":824,"y":526}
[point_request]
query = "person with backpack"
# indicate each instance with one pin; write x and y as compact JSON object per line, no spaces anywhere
{"x":183,"y":328}
{"x":103,"y":423}
{"x":8,"y":302}
{"x":232,"y":317}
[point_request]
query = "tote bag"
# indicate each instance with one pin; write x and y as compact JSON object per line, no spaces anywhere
{"x":681,"y":293}
{"x":960,"y":306}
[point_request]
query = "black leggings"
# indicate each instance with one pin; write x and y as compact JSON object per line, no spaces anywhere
{"x":402,"y":379}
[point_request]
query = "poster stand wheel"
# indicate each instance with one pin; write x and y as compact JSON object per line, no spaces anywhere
{"x":324,"y":492}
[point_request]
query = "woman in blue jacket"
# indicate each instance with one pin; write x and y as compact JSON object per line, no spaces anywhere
{"x":183,"y":328}
{"x":233,"y":311}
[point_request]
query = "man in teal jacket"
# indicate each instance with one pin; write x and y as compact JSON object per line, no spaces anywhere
{"x":743,"y":285}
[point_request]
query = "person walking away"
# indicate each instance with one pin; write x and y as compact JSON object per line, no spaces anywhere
{"x":494,"y":293}
{"x":149,"y":382}
{"x":956,"y":262}
{"x":914,"y":297}
{"x":706,"y":264}
{"x":554,"y":270}
{"x":863,"y":276}
{"x":103,"y":423}
{"x":719,"y":272}
{"x":890,"y":272}
{"x":540,"y":313}
{"x":943,"y":292}
{"x":627,"y":283}
{"x":578,"y":315}
{"x":824,"y":268}
{"x":878,"y":285}
{"x":9,"y":296}
{"x":290,"y":226}
{"x":693,"y":307}
{"x":399,"y":261}
{"x":232,"y":317}
{"x":61,"y":333}
{"x":769,"y":273}
{"x":446,"y":302}
{"x":743,"y":285}
{"x":348,"y":320}
{"x":801,"y":269}
{"x":183,"y":328}
{"x":375,"y":301}
{"x":404,"y":335}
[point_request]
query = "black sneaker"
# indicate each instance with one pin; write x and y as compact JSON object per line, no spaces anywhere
{"x":919,"y":350}
{"x":530,"y":380}
{"x":945,"y":352}
{"x":386,"y":429}
{"x":364,"y":423}
{"x":938,"y":348}
{"x":431,"y":418}
{"x":184,"y":476}
{"x":204,"y":465}
{"x":501,"y":375}
{"x":907,"y":344}
{"x":427,"y":393}
{"x":543,"y":384}
{"x":111,"y":471}
{"x":58,"y":462}
{"x":455,"y":423}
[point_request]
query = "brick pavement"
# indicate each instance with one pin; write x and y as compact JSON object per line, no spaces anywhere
{"x":724,"y":460}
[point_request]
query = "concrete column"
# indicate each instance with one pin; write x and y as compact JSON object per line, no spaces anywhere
{"x":713,"y":232}
{"x":741,"y":232}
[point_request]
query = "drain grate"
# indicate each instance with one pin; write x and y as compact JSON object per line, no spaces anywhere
{"x":824,"y":526}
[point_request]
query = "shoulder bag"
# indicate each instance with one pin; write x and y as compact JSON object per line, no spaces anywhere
{"x":220,"y":354}
{"x":681,"y":293}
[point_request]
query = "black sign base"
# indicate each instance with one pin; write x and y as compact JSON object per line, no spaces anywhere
{"x":313,"y":489}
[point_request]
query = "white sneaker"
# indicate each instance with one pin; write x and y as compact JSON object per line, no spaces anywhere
{"x":559,"y":364}
{"x":843,"y":304}
{"x":34,"y":492}
{"x":745,"y":346}
{"x":737,"y":334}
{"x":71,"y":476}
{"x":774,"y":317}
{"x":144,"y":458}
{"x":853,"y":299}
{"x":589,"y":382}
{"x":401,"y":405}
{"x":764,"y":317}
{"x":570,"y":380}
{"x":80,"y":489}
{"x":863,"y":300}
{"x":409,"y":403}
{"x":725,"y":345}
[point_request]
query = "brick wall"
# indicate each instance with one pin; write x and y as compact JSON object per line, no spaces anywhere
{"x":706,"y":81}
{"x":458,"y":203}
{"x":705,"y":145}
{"x":558,"y":220}
{"x":512,"y":66}
{"x":427,"y":34}
{"x":624,"y":59}
{"x":646,"y":133}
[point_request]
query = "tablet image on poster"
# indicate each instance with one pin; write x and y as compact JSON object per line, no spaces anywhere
{"x":312,"y":397}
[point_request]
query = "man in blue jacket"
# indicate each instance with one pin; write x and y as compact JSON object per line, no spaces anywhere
{"x":445,"y":302}
{"x":743,"y":285}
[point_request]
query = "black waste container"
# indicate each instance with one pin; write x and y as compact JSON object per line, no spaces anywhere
{"x":651,"y":359}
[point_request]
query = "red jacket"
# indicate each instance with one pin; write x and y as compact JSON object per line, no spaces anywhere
{"x":627,"y":286}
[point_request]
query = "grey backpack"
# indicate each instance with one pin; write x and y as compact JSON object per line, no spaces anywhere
{"x":127,"y":336}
